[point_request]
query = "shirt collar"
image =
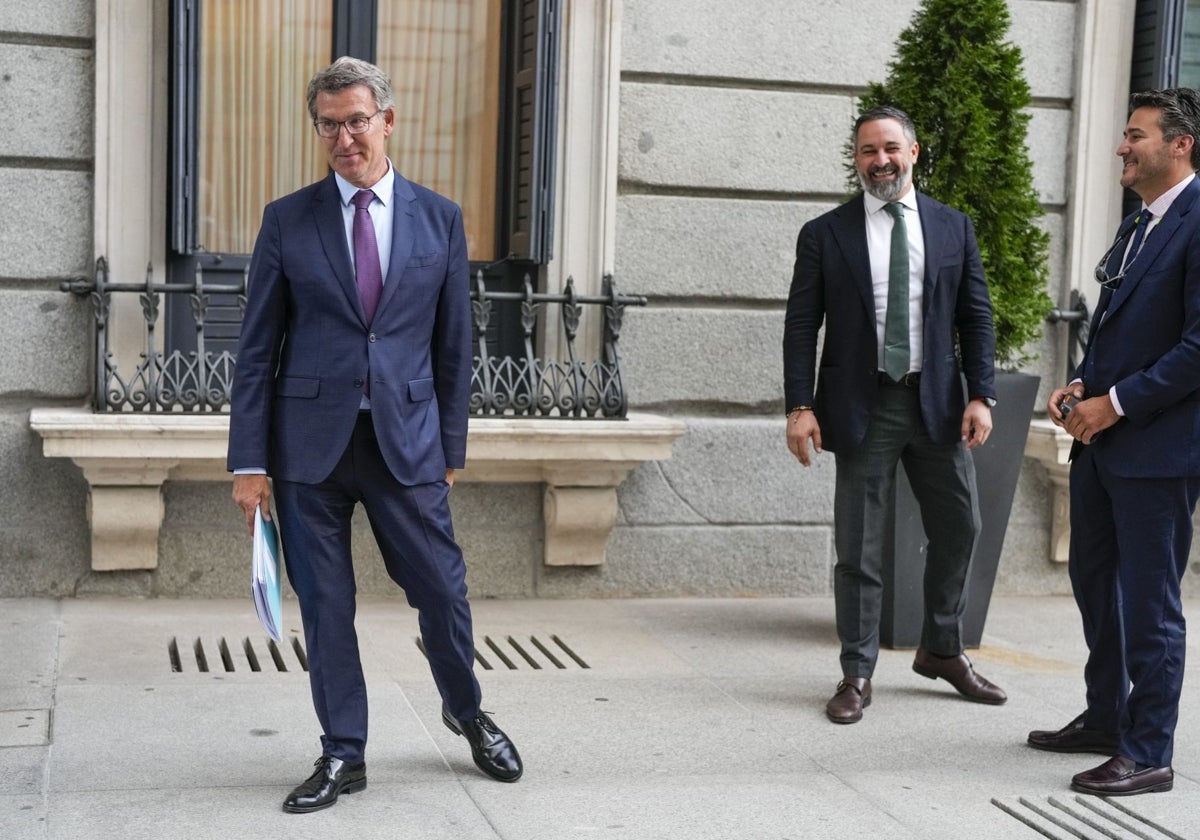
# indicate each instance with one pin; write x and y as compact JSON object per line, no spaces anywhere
{"x":1163,"y":203}
{"x":382,"y":188}
{"x":874,"y":205}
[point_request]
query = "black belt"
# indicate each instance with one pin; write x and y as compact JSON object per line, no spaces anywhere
{"x":908,"y":380}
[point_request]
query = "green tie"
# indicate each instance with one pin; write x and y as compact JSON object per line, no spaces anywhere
{"x":895,"y":327}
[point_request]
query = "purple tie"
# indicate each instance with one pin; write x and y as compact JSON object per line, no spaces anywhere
{"x":367,"y":273}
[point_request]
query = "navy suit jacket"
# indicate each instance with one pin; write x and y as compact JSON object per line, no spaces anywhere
{"x":832,"y":284}
{"x":305,"y":347}
{"x":1146,"y":342}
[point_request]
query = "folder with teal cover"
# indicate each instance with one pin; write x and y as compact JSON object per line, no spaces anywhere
{"x":265,"y":576}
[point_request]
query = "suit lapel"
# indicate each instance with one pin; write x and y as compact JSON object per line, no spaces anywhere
{"x":1156,"y":239}
{"x":331,"y":229}
{"x":934,"y":234}
{"x":849,"y":230}
{"x":402,"y":238}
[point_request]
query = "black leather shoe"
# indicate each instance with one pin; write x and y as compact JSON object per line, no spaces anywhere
{"x":332,"y":778}
{"x":493,"y":752}
{"x":957,"y":671}
{"x":1074,"y":738}
{"x":847,"y":703}
{"x":1119,"y":776}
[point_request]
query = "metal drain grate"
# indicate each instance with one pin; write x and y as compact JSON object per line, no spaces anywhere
{"x":512,"y":654}
{"x":1084,"y":817}
{"x":247,"y":656}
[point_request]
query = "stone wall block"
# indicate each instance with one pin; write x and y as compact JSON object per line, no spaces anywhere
{"x":721,"y":138}
{"x":44,"y":536}
{"x":732,"y":471}
{"x":46,"y":344}
{"x":702,"y":560}
{"x":675,"y":37}
{"x":63,"y":18}
{"x":45,"y":224}
{"x":716,"y":248}
{"x":703,"y":355}
{"x":46,"y":95}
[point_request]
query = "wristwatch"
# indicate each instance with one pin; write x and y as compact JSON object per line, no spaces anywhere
{"x":990,"y":402}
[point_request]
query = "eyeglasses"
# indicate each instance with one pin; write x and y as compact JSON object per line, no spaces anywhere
{"x":1102,"y":277}
{"x":330,"y":129}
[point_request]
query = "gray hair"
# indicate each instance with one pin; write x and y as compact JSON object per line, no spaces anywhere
{"x":1180,"y":114}
{"x":886,"y":112}
{"x":348,"y":72}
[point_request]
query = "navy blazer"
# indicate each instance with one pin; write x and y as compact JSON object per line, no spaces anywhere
{"x":832,"y":284}
{"x":1145,"y":340}
{"x":305,"y":346}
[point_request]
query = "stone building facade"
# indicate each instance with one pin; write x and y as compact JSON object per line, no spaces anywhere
{"x":695,"y":138}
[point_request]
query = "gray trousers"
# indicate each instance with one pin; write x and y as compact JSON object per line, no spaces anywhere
{"x":943,"y":481}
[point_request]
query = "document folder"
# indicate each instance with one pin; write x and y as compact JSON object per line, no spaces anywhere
{"x":265,"y":578}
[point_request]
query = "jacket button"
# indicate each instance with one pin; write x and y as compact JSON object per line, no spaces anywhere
{"x":358,"y":383}
{"x":371,"y":338}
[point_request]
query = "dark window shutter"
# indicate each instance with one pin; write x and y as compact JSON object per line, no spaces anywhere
{"x":532,"y":115}
{"x":185,"y":104}
{"x":1157,"y":40}
{"x":354,"y":28}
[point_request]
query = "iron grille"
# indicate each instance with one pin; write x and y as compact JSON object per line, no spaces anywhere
{"x":200,"y":379}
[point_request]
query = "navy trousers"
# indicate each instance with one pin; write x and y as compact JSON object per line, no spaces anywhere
{"x":1130,"y":539}
{"x":413,"y":529}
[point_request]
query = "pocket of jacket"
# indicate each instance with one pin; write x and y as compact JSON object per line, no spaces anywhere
{"x":423,"y":259}
{"x":420,"y":390}
{"x":297,"y":386}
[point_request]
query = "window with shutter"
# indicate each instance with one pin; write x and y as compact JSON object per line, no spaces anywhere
{"x":475,"y":84}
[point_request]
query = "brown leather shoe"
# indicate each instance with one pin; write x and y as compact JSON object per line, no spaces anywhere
{"x":1119,"y":776}
{"x":958,"y":672}
{"x":852,"y":696}
{"x":1074,"y":738}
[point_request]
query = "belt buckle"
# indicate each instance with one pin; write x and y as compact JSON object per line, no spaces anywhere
{"x":911,"y":379}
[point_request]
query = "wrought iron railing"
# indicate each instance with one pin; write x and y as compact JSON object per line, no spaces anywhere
{"x":1078,"y":322}
{"x":534,"y":386}
{"x":199,"y":379}
{"x":196,"y":380}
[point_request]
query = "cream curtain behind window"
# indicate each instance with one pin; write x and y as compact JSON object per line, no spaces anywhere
{"x":256,"y":139}
{"x":443,"y":57}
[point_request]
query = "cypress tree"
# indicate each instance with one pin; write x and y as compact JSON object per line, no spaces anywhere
{"x":963,"y":85}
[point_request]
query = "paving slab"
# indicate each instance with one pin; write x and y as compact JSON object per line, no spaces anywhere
{"x":642,"y":719}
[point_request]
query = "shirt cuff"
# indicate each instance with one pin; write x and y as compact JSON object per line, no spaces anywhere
{"x":250,"y":471}
{"x":1112,"y":395}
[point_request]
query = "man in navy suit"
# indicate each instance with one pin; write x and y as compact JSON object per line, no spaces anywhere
{"x":894,"y":276}
{"x":352,"y":386}
{"x":1134,"y":411}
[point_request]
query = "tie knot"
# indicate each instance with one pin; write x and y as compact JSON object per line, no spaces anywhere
{"x":363,"y":198}
{"x":1144,"y":218}
{"x":895,"y":209}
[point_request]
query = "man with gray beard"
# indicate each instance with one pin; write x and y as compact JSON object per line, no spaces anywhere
{"x":895,"y":277}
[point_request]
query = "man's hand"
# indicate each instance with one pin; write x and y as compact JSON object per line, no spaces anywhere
{"x":249,"y":492}
{"x":802,"y":426}
{"x":976,"y":424}
{"x":450,"y":476}
{"x":1074,"y":390}
{"x":1090,"y":417}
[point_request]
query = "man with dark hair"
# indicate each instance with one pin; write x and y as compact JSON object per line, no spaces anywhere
{"x":894,"y":276}
{"x":352,"y":386}
{"x":1133,"y":408}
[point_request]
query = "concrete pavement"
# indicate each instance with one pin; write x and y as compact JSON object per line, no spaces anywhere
{"x":637,"y":719}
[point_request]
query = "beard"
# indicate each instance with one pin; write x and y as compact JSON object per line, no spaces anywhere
{"x":886,"y":190}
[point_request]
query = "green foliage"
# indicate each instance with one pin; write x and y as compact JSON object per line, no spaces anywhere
{"x":963,"y":85}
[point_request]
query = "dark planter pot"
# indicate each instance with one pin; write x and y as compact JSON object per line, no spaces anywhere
{"x":997,"y":468}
